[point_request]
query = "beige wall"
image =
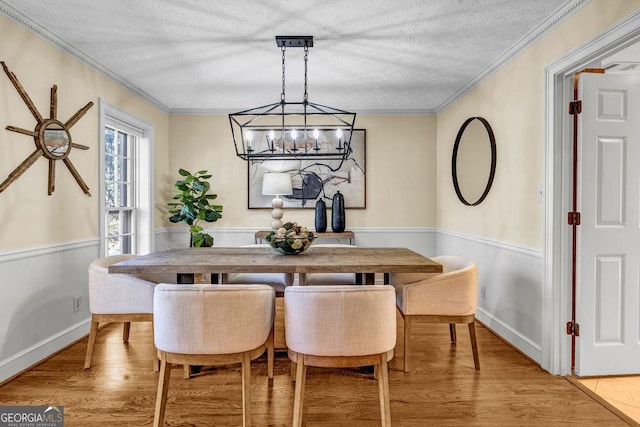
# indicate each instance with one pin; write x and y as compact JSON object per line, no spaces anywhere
{"x":401,"y":170}
{"x":28,"y":216}
{"x":512,"y":100}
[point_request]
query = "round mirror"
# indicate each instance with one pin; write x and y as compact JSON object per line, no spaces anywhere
{"x":55,"y":139}
{"x":473,"y":164}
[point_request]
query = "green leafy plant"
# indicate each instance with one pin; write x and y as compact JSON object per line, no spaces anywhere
{"x":193,"y":205}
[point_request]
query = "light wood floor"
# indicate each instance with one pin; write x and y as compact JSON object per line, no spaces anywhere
{"x":621,"y":392}
{"x":443,"y":390}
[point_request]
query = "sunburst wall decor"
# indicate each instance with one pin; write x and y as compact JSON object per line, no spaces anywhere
{"x":51,"y":136}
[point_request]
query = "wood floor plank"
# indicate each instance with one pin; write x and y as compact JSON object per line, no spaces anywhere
{"x":443,"y":388}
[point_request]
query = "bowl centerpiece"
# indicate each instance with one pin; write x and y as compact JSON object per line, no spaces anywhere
{"x":290,"y":239}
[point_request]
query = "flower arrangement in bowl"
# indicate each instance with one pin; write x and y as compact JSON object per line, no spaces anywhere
{"x":290,"y":239}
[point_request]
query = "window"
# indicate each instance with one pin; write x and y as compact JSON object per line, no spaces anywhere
{"x":119,"y":187}
{"x":126,"y":185}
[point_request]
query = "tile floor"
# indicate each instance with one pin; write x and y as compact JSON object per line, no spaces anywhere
{"x":621,"y":392}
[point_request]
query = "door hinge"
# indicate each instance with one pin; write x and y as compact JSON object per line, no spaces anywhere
{"x":573,"y":218}
{"x":575,"y":107}
{"x":573,"y":329}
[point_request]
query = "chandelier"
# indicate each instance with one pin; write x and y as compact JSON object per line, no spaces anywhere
{"x":292,"y":130}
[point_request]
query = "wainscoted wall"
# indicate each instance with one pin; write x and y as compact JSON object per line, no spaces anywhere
{"x":39,"y":309}
{"x":36,"y":308}
{"x":513,"y":280}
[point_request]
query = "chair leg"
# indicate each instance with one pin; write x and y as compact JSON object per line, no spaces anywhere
{"x":163,"y":389}
{"x":125,"y":331}
{"x":246,"y":389}
{"x":154,"y":351}
{"x":474,"y":344}
{"x":93,"y":333}
{"x":301,"y":377}
{"x":186,"y":372}
{"x":383,"y":388}
{"x":452,"y":333}
{"x":407,"y":335}
{"x":293,"y":369}
{"x":302,"y":279}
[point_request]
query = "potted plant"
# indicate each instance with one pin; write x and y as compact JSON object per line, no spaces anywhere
{"x":193,"y":206}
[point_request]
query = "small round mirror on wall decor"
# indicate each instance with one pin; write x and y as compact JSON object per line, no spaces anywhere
{"x":473,"y":163}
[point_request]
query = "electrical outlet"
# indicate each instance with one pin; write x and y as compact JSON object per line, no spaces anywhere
{"x":483,"y":291}
{"x":540,"y":193}
{"x":76,"y":304}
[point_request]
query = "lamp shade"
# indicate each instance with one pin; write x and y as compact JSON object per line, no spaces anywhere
{"x":276,"y":184}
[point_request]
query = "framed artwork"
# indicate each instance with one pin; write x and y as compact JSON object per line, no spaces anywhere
{"x":313,"y":180}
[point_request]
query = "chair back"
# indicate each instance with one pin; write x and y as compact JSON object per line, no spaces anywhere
{"x":118,"y":293}
{"x":212,"y":319}
{"x":451,"y":263}
{"x":340,"y":320}
{"x":452,"y":292}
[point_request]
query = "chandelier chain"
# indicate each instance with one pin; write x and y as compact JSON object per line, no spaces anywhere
{"x":283,"y":73}
{"x":306,"y":59}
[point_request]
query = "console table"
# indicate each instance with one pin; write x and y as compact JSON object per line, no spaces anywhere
{"x":260,"y":235}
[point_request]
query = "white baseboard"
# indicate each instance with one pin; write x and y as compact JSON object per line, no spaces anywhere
{"x":515,"y":338}
{"x":40,"y":351}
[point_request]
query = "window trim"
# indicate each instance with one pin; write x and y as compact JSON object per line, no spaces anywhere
{"x":144,"y":176}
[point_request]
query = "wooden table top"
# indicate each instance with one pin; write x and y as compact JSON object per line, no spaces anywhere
{"x":267,"y":260}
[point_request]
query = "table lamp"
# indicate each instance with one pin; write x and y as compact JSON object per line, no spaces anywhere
{"x":276,"y":184}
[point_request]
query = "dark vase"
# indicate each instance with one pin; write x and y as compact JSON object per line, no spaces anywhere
{"x":321,"y":216}
{"x":337,"y":213}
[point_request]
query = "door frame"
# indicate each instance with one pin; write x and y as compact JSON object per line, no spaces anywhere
{"x":556,"y":307}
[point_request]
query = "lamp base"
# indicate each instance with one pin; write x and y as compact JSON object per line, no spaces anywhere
{"x":276,"y":213}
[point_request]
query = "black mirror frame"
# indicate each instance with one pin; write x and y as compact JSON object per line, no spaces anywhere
{"x":454,"y":157}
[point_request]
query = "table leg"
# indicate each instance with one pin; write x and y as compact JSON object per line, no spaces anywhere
{"x":370,"y":278}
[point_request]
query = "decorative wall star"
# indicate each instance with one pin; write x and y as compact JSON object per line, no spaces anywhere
{"x":51,"y":136}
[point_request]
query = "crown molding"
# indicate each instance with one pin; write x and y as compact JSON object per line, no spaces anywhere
{"x":32,"y":26}
{"x":556,"y":18}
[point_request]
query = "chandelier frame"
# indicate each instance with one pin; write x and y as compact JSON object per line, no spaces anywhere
{"x":278,"y":124}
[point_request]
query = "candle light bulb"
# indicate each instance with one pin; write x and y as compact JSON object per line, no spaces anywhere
{"x":339,"y":133}
{"x":294,"y":134}
{"x":271,"y":140}
{"x":249,"y":138}
{"x":316,"y":134}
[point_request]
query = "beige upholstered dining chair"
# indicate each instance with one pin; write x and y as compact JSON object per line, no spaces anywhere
{"x":278,"y":281}
{"x":340,"y":326}
{"x":211,"y":325}
{"x":119,"y":298}
{"x":316,"y":279}
{"x":447,"y":297}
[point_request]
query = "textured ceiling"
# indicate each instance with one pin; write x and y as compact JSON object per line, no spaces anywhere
{"x":369,"y":56}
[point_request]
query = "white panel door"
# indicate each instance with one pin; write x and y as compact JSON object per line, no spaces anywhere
{"x":608,"y":296}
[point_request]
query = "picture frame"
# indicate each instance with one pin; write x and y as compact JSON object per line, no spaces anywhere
{"x":314,"y":179}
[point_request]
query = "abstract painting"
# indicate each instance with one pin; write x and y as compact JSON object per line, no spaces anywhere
{"x":313,"y":180}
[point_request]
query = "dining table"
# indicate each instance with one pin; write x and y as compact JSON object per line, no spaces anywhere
{"x":366,"y":262}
